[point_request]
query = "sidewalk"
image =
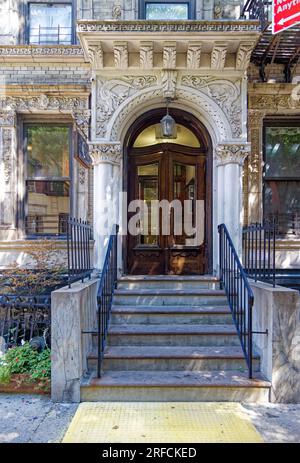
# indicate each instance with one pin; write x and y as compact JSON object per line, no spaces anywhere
{"x":26,"y":418}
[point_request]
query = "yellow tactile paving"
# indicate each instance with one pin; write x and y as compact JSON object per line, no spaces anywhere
{"x":160,"y":422}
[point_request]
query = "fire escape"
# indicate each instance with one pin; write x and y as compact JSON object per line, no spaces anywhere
{"x":282,"y":48}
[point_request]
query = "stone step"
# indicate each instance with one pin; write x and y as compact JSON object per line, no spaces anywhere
{"x":160,"y":386}
{"x":171,"y":335}
{"x":162,"y":358}
{"x":170,"y":297}
{"x":168,"y":281}
{"x":170,"y":315}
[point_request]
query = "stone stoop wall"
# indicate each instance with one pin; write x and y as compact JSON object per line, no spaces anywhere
{"x":278,"y":310}
{"x":72,"y":311}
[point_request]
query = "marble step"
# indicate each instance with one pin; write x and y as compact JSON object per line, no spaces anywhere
{"x":191,"y":297}
{"x":203,"y":386}
{"x":168,"y":281}
{"x":170,"y":315}
{"x":172,"y":335}
{"x":163,"y":358}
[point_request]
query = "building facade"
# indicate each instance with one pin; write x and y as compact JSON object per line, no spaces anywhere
{"x":84,"y":87}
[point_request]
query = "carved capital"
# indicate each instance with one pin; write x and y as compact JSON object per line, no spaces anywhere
{"x":121,"y":55}
{"x":168,"y":82}
{"x":95,"y":53}
{"x":232,"y":153}
{"x":218,"y":56}
{"x":146,"y":55}
{"x":169,"y":55}
{"x":106,"y":153}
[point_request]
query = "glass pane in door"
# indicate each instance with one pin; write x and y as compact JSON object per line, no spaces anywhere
{"x":148,"y":192}
{"x":184,"y":179}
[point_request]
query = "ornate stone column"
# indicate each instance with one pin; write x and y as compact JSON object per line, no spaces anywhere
{"x":8,"y":170}
{"x":107,"y":185}
{"x":255,"y":166}
{"x":230,"y":159}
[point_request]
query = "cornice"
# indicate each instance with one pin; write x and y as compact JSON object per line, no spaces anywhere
{"x":154,"y":27}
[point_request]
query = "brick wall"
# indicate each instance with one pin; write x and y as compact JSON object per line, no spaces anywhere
{"x":13,"y":73}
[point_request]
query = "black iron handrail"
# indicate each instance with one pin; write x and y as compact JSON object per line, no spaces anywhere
{"x":106,"y":289}
{"x":239,"y":293}
{"x":259,"y":251}
{"x":79,"y":235}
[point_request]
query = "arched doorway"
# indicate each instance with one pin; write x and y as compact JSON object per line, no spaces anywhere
{"x":169,"y":185}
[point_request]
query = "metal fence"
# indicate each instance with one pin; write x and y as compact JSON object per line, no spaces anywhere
{"x":24,"y":317}
{"x":259,"y":251}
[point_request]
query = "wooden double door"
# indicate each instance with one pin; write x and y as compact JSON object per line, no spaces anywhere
{"x":166,"y":210}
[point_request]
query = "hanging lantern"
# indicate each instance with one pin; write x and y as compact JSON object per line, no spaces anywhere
{"x":167,"y":124}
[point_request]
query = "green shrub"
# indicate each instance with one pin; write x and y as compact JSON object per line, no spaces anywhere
{"x":24,"y":359}
{"x":5,"y":374}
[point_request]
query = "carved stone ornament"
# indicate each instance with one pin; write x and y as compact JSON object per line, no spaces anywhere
{"x":82,"y":174}
{"x":121,"y":55}
{"x":218,"y":11}
{"x":6,"y":155}
{"x":193,"y":55}
{"x":225,"y":93}
{"x":169,"y":55}
{"x":232,"y":153}
{"x":218,"y":56}
{"x":111,"y":93}
{"x":40,"y":50}
{"x":95,"y":53}
{"x":7,"y":118}
{"x":106,"y":152}
{"x":43,"y":102}
{"x":243,"y":55}
{"x":117,"y":11}
{"x":168,"y":26}
{"x":168,"y":82}
{"x":82,"y":119}
{"x":146,"y":55}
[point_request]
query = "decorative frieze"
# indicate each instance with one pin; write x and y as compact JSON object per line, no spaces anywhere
{"x":106,"y":153}
{"x":169,"y":55}
{"x":146,"y":55}
{"x":179,"y":27}
{"x":218,"y":56}
{"x":232,"y":153}
{"x":121,"y":55}
{"x":43,"y":102}
{"x":95,"y":53}
{"x":38,"y":52}
{"x":193,"y":55}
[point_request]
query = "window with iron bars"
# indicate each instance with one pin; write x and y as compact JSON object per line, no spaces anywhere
{"x":50,"y":23}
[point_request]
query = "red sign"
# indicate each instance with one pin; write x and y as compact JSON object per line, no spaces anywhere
{"x":286,"y":13}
